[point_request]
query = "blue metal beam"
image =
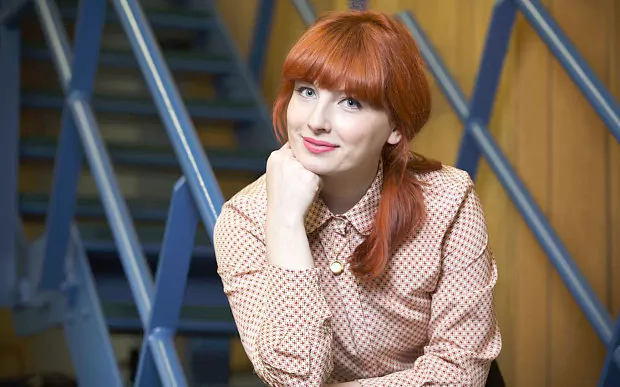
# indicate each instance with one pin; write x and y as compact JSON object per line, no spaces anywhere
{"x":89,"y":30}
{"x":127,"y":242}
{"x":179,"y":126}
{"x":533,"y":216}
{"x":172,"y":274}
{"x":85,"y":327}
{"x":56,"y":38}
{"x":75,"y":307}
{"x":359,"y":5}
{"x":593,"y":89}
{"x":489,"y":72}
{"x":161,"y":343}
{"x":306,"y":11}
{"x":610,"y":377}
{"x":9,"y":157}
{"x":445,"y":81}
{"x":262,"y":31}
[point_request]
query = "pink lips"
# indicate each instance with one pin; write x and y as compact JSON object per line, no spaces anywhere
{"x":316,"y":146}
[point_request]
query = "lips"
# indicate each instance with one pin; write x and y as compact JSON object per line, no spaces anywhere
{"x":317,"y":146}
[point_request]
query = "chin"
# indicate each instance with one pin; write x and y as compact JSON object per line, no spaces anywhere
{"x":316,"y":165}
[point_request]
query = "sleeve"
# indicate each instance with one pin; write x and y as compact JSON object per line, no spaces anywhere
{"x":464,"y":337}
{"x":282,"y":316}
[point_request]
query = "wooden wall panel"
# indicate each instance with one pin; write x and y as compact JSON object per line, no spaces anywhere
{"x":500,"y":213}
{"x":614,"y":170}
{"x":287,"y":28}
{"x":578,"y":194}
{"x":439,"y":139}
{"x":531,"y":269}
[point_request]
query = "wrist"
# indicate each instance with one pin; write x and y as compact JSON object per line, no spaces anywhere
{"x":284,"y":219}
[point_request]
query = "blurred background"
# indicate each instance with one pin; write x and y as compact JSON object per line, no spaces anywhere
{"x":551,"y":135}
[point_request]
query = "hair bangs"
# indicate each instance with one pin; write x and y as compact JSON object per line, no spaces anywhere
{"x":344,"y":60}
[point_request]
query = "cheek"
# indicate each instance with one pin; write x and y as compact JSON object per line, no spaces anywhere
{"x":295,"y":114}
{"x":362,"y":134}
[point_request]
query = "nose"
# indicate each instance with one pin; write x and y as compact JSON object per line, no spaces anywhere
{"x":319,"y":119}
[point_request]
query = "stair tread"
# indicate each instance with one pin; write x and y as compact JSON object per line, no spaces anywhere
{"x":118,"y":51}
{"x":182,"y":60}
{"x":147,"y":233}
{"x":188,"y":312}
{"x":138,"y":105}
{"x":147,"y":209}
{"x":158,"y":16}
{"x":44,"y":148}
{"x":142,"y":99}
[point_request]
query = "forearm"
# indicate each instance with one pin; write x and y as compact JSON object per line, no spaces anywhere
{"x":285,"y":237}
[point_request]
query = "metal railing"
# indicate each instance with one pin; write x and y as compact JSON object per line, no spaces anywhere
{"x":196,"y":197}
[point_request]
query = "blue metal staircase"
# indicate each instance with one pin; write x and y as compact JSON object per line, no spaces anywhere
{"x":90,"y":271}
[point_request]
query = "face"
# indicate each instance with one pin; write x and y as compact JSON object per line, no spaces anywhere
{"x":331,"y":133}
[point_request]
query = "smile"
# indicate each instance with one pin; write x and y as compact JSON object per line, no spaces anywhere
{"x":316,"y":146}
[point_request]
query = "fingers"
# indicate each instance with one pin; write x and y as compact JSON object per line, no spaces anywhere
{"x":287,"y":151}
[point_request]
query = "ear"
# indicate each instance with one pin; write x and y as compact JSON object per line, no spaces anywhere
{"x":394,"y":137}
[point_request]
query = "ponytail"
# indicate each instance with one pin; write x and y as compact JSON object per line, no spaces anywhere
{"x":401,"y":209}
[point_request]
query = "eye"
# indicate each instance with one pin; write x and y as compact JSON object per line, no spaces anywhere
{"x":352,"y":103}
{"x":306,"y":92}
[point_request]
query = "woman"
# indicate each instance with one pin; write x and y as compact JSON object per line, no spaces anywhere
{"x":353,"y":262}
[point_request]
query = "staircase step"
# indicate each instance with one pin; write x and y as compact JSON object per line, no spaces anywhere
{"x":143,"y":209}
{"x":193,"y":320}
{"x":152,"y":156}
{"x":176,"y":18}
{"x":98,"y":239}
{"x":203,"y":108}
{"x":176,"y":60}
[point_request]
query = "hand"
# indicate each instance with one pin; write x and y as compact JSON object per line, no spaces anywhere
{"x":291,"y":188}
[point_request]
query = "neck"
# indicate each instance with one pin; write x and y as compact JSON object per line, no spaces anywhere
{"x":341,"y":192}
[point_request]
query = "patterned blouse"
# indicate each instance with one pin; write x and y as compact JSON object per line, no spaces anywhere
{"x":428,"y":320}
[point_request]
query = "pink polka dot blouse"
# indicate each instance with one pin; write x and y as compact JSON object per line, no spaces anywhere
{"x":428,"y":320}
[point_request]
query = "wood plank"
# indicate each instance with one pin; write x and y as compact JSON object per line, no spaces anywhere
{"x":531,"y":268}
{"x":614,"y":171}
{"x":440,"y":137}
{"x":499,"y":210}
{"x":240,"y":21}
{"x":578,"y":194}
{"x":287,"y":28}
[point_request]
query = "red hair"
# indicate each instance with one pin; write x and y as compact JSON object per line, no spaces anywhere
{"x":373,"y":58}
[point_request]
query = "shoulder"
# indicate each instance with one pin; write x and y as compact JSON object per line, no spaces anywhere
{"x":247,"y":208}
{"x":445,"y":190}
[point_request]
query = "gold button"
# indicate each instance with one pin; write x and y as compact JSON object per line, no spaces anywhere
{"x":336,"y":267}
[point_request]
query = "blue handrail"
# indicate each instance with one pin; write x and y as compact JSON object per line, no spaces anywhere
{"x":196,"y":196}
{"x":477,"y":139}
{"x":558,"y":254}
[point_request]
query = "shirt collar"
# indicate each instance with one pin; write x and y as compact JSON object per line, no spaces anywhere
{"x":361,"y":215}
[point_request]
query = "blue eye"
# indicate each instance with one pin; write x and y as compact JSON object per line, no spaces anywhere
{"x":305,"y":92}
{"x":352,"y":103}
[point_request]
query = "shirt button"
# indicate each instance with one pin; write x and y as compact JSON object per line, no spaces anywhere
{"x":336,"y":267}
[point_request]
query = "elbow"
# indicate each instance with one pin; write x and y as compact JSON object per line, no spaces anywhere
{"x":290,"y":357}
